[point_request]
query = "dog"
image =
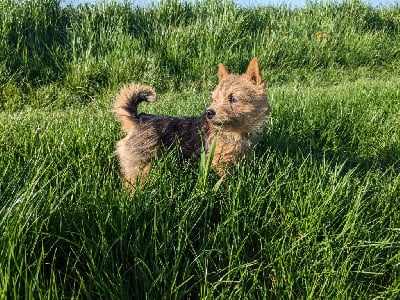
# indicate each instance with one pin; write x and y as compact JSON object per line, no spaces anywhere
{"x":233,"y":122}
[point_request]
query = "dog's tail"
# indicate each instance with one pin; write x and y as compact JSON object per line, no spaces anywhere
{"x":127,"y":101}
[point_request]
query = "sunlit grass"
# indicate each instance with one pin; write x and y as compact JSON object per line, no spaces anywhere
{"x":298,"y":214}
{"x":311,"y":212}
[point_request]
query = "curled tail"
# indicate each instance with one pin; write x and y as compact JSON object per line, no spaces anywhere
{"x":127,"y":101}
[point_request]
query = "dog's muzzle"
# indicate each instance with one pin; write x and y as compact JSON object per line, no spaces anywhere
{"x":210,"y":113}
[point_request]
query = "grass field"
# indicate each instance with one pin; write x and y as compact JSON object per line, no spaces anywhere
{"x":312,"y":212}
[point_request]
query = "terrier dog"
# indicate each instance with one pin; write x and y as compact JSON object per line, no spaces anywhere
{"x":234,"y":120}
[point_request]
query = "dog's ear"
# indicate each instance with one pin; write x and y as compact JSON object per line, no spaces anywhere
{"x":222,"y":72}
{"x":253,"y":72}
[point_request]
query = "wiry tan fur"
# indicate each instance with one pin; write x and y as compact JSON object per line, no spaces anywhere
{"x":235,"y":118}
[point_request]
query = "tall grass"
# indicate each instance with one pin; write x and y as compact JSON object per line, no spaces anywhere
{"x":311,"y":212}
{"x":80,"y":51}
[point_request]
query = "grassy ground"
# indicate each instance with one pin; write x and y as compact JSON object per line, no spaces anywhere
{"x":313,"y":212}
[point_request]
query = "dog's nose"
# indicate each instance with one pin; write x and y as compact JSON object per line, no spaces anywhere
{"x":210,"y":113}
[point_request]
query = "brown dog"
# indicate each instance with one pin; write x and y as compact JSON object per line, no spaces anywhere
{"x":234,"y":119}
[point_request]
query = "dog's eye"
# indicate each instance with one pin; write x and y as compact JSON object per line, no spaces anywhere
{"x":231,"y":99}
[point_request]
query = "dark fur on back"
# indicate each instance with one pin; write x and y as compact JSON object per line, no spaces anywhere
{"x":187,"y":131}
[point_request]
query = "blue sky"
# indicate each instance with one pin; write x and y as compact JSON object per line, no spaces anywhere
{"x":292,"y":3}
{"x":299,"y":3}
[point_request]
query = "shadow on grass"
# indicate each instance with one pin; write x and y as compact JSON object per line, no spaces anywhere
{"x":321,"y":151}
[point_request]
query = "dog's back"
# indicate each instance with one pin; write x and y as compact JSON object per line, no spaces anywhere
{"x":167,"y":131}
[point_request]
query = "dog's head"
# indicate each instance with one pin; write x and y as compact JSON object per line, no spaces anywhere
{"x":239,"y":102}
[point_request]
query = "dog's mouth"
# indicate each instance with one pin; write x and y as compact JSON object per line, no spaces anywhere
{"x":213,"y":119}
{"x":216,"y":123}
